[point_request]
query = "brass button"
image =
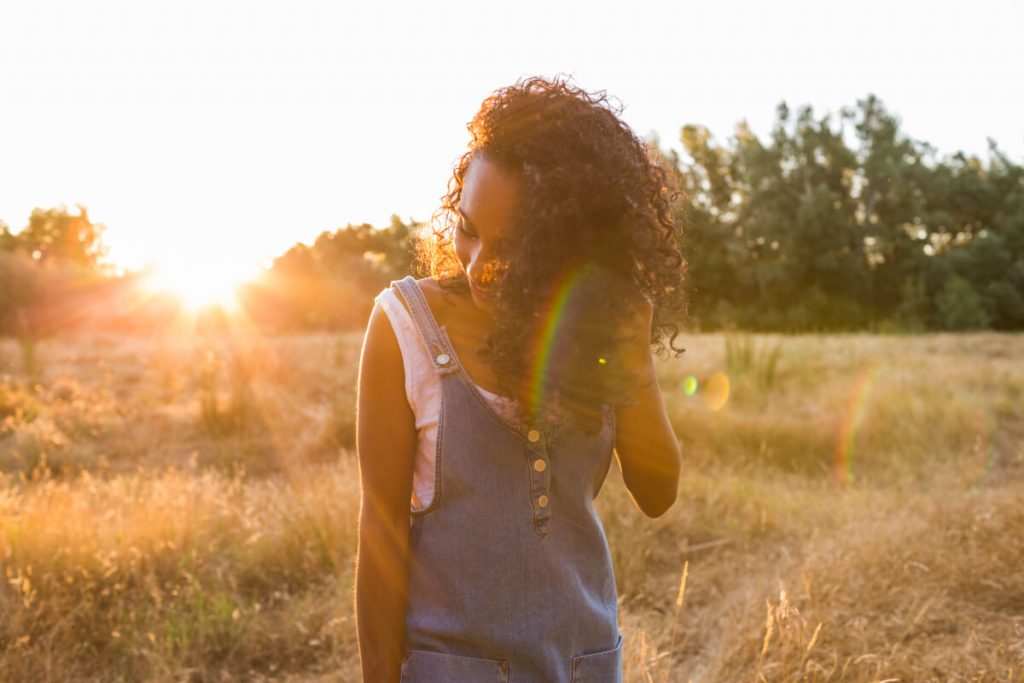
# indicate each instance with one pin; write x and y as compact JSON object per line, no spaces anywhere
{"x":542,"y":501}
{"x":443,"y":359}
{"x":533,"y":435}
{"x":539,"y":465}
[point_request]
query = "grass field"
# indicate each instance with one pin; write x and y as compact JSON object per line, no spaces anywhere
{"x":851,"y":509}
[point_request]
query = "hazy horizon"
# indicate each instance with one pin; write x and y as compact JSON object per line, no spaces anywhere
{"x":249,"y":128}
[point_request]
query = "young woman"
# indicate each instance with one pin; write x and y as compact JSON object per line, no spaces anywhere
{"x":493,"y":394}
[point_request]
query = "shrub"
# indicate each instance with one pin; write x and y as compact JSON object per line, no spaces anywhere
{"x":960,"y":307}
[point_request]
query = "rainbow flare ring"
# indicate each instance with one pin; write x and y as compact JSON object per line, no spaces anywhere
{"x":550,"y":332}
{"x":852,"y":418}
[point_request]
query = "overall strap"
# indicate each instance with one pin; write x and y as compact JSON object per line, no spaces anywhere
{"x":442,"y":355}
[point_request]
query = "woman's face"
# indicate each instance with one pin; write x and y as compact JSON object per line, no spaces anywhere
{"x":489,"y":194}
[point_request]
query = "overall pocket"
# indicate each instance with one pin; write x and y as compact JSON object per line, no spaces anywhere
{"x":599,"y":667}
{"x":424,"y":666}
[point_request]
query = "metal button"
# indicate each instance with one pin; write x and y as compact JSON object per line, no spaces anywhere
{"x":443,"y":359}
{"x":533,"y":435}
{"x":542,"y":501}
{"x":539,"y":465}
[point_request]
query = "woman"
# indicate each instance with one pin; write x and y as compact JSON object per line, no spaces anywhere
{"x":493,"y":394}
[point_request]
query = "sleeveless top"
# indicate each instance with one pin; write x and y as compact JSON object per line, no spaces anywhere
{"x":510,"y":574}
{"x":423,"y":392}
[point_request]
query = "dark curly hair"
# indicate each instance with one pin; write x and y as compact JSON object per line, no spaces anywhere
{"x":593,"y":232}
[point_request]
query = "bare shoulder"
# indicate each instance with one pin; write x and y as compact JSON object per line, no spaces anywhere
{"x":429,"y":284}
{"x":426,"y":284}
{"x":437,"y":297}
{"x":380,"y":342}
{"x":423,"y":286}
{"x":381,"y":383}
{"x":385,"y":423}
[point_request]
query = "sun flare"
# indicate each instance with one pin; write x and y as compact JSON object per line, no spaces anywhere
{"x":199,"y":285}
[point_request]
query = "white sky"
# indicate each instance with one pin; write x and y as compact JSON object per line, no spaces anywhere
{"x":214,"y":135}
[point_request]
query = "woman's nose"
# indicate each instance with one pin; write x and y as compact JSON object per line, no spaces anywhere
{"x":478,"y":269}
{"x":483,"y":272}
{"x":476,"y":277}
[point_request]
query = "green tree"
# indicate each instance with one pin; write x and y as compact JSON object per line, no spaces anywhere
{"x":49,"y":275}
{"x":772,"y":227}
{"x":58,"y":234}
{"x":960,"y":307}
{"x":22,"y":282}
{"x":8,"y":240}
{"x":330,"y":284}
{"x":912,"y":314}
{"x":805,"y":230}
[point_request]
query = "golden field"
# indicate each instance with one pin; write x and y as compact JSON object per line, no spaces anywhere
{"x":184,"y":509}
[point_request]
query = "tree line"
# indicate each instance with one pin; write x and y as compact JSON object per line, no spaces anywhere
{"x":834,"y":222}
{"x":842,"y":222}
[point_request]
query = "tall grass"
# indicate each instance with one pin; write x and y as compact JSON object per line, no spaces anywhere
{"x":744,"y":358}
{"x":135,"y":577}
{"x":152,"y":530}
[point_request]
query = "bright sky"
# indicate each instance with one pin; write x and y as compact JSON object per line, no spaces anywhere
{"x":213,"y":135}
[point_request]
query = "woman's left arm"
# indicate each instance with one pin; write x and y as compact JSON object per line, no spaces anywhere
{"x":645,"y":444}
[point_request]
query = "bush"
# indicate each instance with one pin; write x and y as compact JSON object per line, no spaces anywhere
{"x":960,"y":307}
{"x":912,"y":312}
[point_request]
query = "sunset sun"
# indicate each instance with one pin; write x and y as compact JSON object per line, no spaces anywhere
{"x":199,"y":285}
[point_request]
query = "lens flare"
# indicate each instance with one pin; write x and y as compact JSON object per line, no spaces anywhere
{"x":852,"y":419}
{"x":551,"y":331}
{"x":716,"y":391}
{"x":690,"y":385}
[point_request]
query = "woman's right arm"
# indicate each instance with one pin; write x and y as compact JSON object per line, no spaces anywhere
{"x":386,"y":448}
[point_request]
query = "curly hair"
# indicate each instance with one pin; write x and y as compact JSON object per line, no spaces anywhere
{"x":594,"y":230}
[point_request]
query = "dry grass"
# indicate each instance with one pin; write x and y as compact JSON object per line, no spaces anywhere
{"x":185,"y":510}
{"x":156,"y":575}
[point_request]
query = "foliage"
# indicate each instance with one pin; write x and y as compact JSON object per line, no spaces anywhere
{"x":913,"y":309}
{"x":136,"y":545}
{"x":806,"y":232}
{"x":835,"y":221}
{"x":960,"y":307}
{"x":743,"y":359}
{"x":59,"y":234}
{"x":48,"y":273}
{"x":330,"y":284}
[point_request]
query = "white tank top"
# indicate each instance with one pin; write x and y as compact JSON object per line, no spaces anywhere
{"x":423,"y":391}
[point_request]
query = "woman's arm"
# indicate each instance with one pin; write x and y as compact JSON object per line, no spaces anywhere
{"x":645,"y":443}
{"x":386,"y":448}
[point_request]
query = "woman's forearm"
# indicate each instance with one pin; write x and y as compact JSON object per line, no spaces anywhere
{"x":647,"y":446}
{"x":381,"y":597}
{"x":645,"y":442}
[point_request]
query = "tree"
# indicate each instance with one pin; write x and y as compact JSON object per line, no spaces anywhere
{"x":8,"y":240}
{"x":960,"y":307}
{"x":22,"y":283}
{"x":48,"y":275}
{"x":58,"y":234}
{"x":331,"y":284}
{"x":804,"y":230}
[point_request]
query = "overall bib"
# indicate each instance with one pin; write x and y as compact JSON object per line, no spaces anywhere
{"x":510,"y":576}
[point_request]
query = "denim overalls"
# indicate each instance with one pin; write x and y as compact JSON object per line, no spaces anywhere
{"x":510,"y":577}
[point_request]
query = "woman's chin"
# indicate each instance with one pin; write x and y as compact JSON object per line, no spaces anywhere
{"x":483,"y":305}
{"x":482,"y":301}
